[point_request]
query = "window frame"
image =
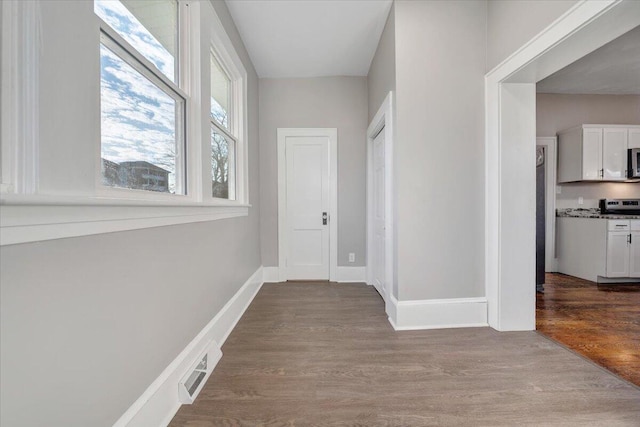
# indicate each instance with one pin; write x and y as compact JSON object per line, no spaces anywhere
{"x":132,"y":57}
{"x":226,"y":132}
{"x":230,"y":95}
{"x":30,"y":214}
{"x":222,"y":50}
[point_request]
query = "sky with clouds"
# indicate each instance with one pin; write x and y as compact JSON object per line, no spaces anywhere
{"x":138,"y":119}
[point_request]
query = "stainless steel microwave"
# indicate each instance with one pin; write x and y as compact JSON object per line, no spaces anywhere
{"x":633,"y":170}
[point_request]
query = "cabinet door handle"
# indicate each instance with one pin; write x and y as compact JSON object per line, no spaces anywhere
{"x":601,"y":172}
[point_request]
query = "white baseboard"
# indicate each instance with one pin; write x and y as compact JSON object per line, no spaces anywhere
{"x":271,"y":274}
{"x":159,"y":403}
{"x":352,"y":274}
{"x":437,"y":313}
{"x":344,"y":274}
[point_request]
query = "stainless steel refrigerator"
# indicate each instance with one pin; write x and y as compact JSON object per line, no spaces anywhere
{"x":540,"y":218}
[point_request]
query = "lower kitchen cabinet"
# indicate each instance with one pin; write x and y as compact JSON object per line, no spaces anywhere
{"x":634,"y":253}
{"x":592,"y":248}
{"x":623,"y":249}
{"x":618,"y":260}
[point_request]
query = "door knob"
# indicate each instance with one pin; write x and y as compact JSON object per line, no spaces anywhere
{"x":324,"y":218}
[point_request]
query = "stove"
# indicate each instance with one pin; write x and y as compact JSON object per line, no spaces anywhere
{"x":620,"y":206}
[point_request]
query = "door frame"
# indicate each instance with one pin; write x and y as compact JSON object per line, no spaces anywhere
{"x":384,"y":118}
{"x":283,"y":239}
{"x":550,"y":144}
{"x":510,"y":90}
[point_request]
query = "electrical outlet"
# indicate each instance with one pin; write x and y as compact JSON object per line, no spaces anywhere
{"x":580,"y":201}
{"x":352,"y":257}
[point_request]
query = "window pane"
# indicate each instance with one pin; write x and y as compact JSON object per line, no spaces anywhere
{"x":138,"y":128}
{"x":220,"y":91}
{"x":150,"y":26}
{"x":222,"y":166}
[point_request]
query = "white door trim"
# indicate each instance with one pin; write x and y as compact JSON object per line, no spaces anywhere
{"x":383,"y":118}
{"x":332,"y":134}
{"x":550,"y":143}
{"x":510,"y":96}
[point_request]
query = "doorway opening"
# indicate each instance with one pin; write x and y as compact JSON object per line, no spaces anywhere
{"x":511,"y":147}
{"x":589,"y":108}
{"x":380,"y":216}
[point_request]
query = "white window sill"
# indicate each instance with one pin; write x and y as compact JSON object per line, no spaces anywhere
{"x":26,"y":219}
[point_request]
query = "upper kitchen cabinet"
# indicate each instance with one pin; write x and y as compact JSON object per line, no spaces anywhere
{"x":595,"y":152}
{"x":591,"y":161}
{"x":614,"y":154}
{"x":634,"y":137}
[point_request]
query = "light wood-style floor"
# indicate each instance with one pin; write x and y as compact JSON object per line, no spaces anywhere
{"x":602,"y":323}
{"x":325,"y":354}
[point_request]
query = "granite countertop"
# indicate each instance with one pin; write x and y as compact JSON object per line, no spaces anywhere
{"x":590,"y":213}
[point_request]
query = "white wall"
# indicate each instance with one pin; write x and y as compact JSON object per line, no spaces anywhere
{"x":336,"y":102}
{"x":382,"y":72}
{"x":557,"y":112}
{"x":88,"y":323}
{"x":510,"y":24}
{"x":440,"y":53}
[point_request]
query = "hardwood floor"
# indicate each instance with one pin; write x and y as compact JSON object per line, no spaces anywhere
{"x":325,"y":354}
{"x":601,"y":323}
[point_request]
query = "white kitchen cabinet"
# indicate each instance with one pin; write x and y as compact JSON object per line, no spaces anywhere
{"x":634,"y":138}
{"x":618,"y":254}
{"x":623,"y":249}
{"x":595,"y":152}
{"x":581,"y":247}
{"x":614,"y":154}
{"x":634,"y":249}
{"x":598,"y":249}
{"x":591,"y":153}
{"x":634,"y":254}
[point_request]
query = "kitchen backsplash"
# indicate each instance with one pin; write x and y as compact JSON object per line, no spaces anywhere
{"x":593,"y":192}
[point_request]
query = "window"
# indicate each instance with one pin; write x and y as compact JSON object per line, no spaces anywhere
{"x":142,"y":107}
{"x":150,"y":118}
{"x":223,"y":140}
{"x":220,"y":93}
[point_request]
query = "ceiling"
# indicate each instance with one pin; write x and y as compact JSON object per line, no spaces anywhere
{"x":310,"y":38}
{"x":613,"y":69}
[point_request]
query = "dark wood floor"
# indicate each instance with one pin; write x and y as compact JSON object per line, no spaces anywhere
{"x":601,"y":323}
{"x":324,"y":354}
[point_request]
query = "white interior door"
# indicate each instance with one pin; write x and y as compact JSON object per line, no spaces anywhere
{"x":307,"y":207}
{"x":378,"y":217}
